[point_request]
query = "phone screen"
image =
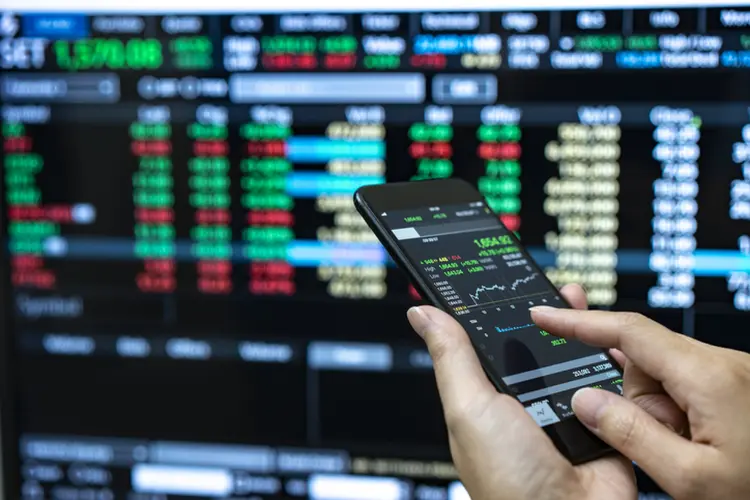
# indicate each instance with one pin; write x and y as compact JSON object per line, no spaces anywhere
{"x":489,"y":283}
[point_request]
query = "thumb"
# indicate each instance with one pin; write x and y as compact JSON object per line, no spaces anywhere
{"x":459,"y":374}
{"x":636,"y":434}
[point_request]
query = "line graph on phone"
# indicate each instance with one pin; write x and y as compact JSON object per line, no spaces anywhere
{"x":496,"y":287}
{"x":484,"y":293}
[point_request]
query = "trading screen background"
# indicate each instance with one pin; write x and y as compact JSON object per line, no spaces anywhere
{"x":193,"y":294}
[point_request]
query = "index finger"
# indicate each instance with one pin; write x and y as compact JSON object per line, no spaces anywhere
{"x":658,"y":351}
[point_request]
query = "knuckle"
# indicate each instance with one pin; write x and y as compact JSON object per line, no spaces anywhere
{"x":624,"y":430}
{"x":440,"y":345}
{"x":723,"y":371}
{"x":647,"y":402}
{"x":629,"y":320}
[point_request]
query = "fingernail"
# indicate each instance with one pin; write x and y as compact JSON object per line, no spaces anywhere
{"x":418,"y":319}
{"x":671,"y":428}
{"x":541,"y":309}
{"x":589,"y":405}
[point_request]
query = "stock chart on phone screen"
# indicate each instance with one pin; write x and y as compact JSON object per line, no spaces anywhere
{"x":190,"y":293}
{"x":478,"y":270}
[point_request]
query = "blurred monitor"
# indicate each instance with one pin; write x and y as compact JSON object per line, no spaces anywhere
{"x":192,"y":307}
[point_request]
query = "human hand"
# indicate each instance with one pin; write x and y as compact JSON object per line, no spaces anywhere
{"x":700,"y":390}
{"x":499,"y":450}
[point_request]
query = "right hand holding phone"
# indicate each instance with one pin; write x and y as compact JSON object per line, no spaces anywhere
{"x":701,"y":393}
{"x":684,"y":418}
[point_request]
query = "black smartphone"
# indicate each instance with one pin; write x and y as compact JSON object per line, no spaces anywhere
{"x":462,"y":259}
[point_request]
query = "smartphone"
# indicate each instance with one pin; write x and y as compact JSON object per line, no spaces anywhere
{"x":462,"y":259}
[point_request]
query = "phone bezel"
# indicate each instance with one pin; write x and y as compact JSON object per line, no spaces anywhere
{"x":573,"y":440}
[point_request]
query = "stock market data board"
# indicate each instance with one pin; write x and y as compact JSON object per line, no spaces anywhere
{"x":193,"y":306}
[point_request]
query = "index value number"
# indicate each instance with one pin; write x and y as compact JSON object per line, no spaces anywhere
{"x":493,"y":241}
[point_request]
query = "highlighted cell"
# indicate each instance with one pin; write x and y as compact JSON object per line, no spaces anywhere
{"x":55,"y":26}
{"x":719,"y":263}
{"x":314,"y":253}
{"x":170,"y":480}
{"x":638,"y":60}
{"x":340,"y":487}
{"x":457,"y":44}
{"x":312,"y":184}
{"x":322,"y":150}
{"x":337,"y":88}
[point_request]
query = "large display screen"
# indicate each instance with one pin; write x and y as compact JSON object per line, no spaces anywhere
{"x":487,"y":281}
{"x":192,"y":305}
